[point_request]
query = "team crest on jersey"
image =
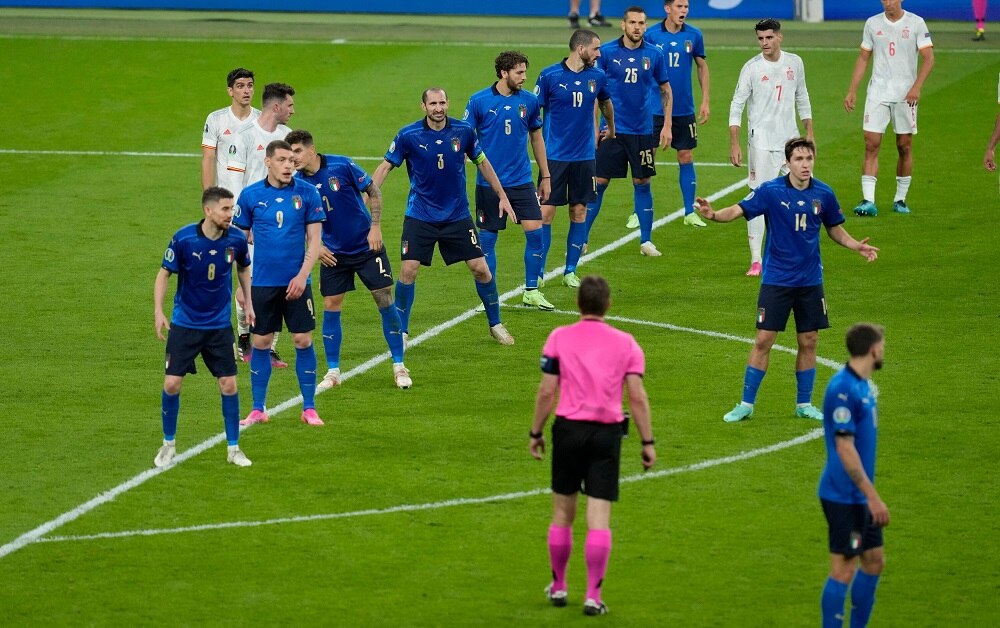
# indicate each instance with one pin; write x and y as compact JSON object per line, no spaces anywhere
{"x":645,"y":63}
{"x":297,"y":202}
{"x":230,"y":255}
{"x":906,"y":33}
{"x":790,"y":74}
{"x":392,"y":146}
{"x":817,"y":207}
{"x":168,"y":362}
{"x":405,"y":247}
{"x":522,"y":111}
{"x":334,"y":184}
{"x":760,"y":315}
{"x":592,"y":86}
{"x":232,"y":149}
{"x":688,"y":46}
{"x":456,"y":145}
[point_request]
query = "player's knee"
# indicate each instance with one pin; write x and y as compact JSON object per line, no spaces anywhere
{"x":383,"y":297}
{"x":762,"y":343}
{"x":873,"y":563}
{"x":481,"y":272}
{"x":303,"y":340}
{"x":843,"y":571}
{"x":172,"y":384}
{"x":643,"y":181}
{"x":227,"y":385}
{"x":685,"y":156}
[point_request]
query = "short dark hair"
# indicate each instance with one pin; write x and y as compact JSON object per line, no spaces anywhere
{"x":508,"y":60}
{"x":238,"y":73}
{"x":275,"y":92}
{"x":861,"y":337}
{"x":277,"y":145}
{"x":768,"y":24}
{"x":582,"y":37}
{"x":214,"y":194}
{"x":633,"y":9}
{"x":594,"y":296}
{"x":300,"y":136}
{"x":798,"y":142}
{"x":423,"y":97}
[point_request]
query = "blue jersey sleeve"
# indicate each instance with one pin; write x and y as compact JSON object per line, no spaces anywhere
{"x":359,"y":178}
{"x":535,"y":115}
{"x":472,"y":147}
{"x":541,"y":90}
{"x":243,"y":212}
{"x":659,"y":67}
{"x":602,"y":88}
{"x":698,"y":49}
{"x":396,"y":153}
{"x":755,"y":203}
{"x":171,"y":257}
{"x":241,"y":252}
{"x":831,"y":212}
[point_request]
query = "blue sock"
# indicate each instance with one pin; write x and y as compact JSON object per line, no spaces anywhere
{"x":862,"y":598}
{"x":488,"y":240}
{"x":546,"y":245}
{"x":804,"y":385}
{"x":643,"y":198}
{"x":260,"y":376}
{"x":688,"y":182}
{"x":231,"y":417}
{"x":390,"y":329}
{"x":832,"y":603}
{"x":594,"y":208}
{"x":404,"y":303}
{"x":305,"y":370}
{"x":532,"y":257}
{"x":332,"y":336}
{"x":488,"y":295}
{"x":574,"y":245}
{"x":751,"y":383}
{"x":171,"y":405}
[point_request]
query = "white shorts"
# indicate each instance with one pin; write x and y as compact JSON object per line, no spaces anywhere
{"x":764,"y":165}
{"x":878,"y":114}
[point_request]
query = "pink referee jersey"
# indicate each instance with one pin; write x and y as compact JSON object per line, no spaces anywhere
{"x":594,"y":359}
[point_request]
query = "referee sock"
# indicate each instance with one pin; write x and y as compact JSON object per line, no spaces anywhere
{"x":171,"y":405}
{"x":594,"y":208}
{"x":574,"y":245}
{"x":333,"y":335}
{"x":643,"y":198}
{"x":862,"y":598}
{"x":688,"y":182}
{"x":231,"y":418}
{"x":804,"y":381}
{"x":868,"y":187}
{"x":902,"y":187}
{"x":751,"y":384}
{"x":260,"y":376}
{"x":596,"y":552}
{"x":832,"y":603}
{"x":305,"y":370}
{"x":404,"y":302}
{"x":532,"y":258}
{"x":488,"y":240}
{"x":491,"y":301}
{"x":560,"y":547}
{"x":390,"y":329}
{"x":546,"y":245}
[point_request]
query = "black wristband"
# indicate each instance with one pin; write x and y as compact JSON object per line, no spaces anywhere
{"x":648,"y":442}
{"x":536,"y":434}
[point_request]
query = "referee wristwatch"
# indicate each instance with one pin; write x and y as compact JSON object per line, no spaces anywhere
{"x":536,"y":435}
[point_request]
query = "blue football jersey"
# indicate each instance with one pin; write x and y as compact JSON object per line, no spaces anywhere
{"x":502,"y":124}
{"x":794,"y":219}
{"x":679,"y":50}
{"x":568,"y":99}
{"x":633,"y":76}
{"x":849,"y":407}
{"x":435,"y":163}
{"x":204,"y":276}
{"x":340,"y":183}
{"x":278,"y":218}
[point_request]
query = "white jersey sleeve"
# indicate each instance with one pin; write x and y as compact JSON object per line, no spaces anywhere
{"x":895,"y":50}
{"x":741,"y":95}
{"x":802,"y":104}
{"x":222,"y":129}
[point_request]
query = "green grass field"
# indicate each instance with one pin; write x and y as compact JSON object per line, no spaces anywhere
{"x":423,"y":507}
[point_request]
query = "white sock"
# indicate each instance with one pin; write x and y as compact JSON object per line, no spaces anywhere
{"x":755,"y":234}
{"x":241,"y":320}
{"x":234,"y":447}
{"x":902,"y":187}
{"x":868,"y":187}
{"x":274,"y":343}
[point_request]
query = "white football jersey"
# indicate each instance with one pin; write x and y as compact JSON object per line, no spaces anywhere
{"x":221,"y":129}
{"x":775,"y":90}
{"x":894,"y":47}
{"x":251,"y":148}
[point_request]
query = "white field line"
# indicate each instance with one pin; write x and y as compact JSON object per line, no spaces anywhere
{"x":465,"y":501}
{"x":107,"y":153}
{"x":37,"y":533}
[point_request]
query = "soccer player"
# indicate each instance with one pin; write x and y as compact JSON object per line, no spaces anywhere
{"x":352,"y":245}
{"x":683,"y":46}
{"x":567,"y":92}
{"x":218,"y":143}
{"x":437,"y":209}
{"x":595,"y":19}
{"x":989,"y":159}
{"x":855,"y":513}
{"x":796,"y":206}
{"x":284,"y":213}
{"x":774,"y":84}
{"x":202,"y":256}
{"x":979,"y":12}
{"x":588,"y":364}
{"x":894,"y":39}
{"x":634,"y":68}
{"x":505,"y":118}
{"x":248,"y":162}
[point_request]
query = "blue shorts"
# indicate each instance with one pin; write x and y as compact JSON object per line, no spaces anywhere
{"x":271,"y":307}
{"x":523,"y":198}
{"x":684,"y":130}
{"x":573,"y":182}
{"x":616,"y":156}
{"x":774,"y":303}
{"x":851,"y":531}
{"x":371,"y":266}
{"x":458,"y":241}
{"x":215,"y":346}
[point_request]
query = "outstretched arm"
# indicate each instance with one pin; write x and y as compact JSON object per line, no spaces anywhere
{"x":839,"y":235}
{"x":723,"y":215}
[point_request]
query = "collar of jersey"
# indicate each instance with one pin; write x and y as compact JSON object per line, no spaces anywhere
{"x":427,"y":127}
